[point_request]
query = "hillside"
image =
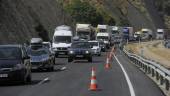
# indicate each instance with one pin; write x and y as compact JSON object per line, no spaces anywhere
{"x":21,"y":20}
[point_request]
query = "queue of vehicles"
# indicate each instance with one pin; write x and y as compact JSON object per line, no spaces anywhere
{"x":17,"y":61}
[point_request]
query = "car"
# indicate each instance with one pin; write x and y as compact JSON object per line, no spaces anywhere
{"x":42,"y":59}
{"x":49,"y":46}
{"x":96,"y":48}
{"x":80,"y":50}
{"x":102,"y":45}
{"x":14,"y":63}
{"x":167,"y":43}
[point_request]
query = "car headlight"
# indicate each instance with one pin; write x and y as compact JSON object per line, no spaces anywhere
{"x":18,"y":67}
{"x":71,"y":52}
{"x":87,"y":52}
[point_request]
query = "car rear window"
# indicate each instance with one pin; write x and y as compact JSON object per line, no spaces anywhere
{"x":10,"y":53}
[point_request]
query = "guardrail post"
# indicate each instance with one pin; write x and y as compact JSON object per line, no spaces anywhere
{"x":149,"y":70}
{"x":161,"y":80}
{"x":157,"y":76}
{"x":146,"y":68}
{"x":166,"y":84}
{"x":153,"y":73}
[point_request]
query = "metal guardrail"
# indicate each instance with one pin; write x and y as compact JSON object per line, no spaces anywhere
{"x":158,"y":72}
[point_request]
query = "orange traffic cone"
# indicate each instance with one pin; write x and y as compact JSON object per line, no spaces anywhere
{"x":107,"y":65}
{"x":93,"y":83}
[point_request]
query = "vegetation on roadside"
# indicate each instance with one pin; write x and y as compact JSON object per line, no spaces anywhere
{"x":84,"y":12}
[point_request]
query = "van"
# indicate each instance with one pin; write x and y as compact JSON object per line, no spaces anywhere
{"x":62,"y":40}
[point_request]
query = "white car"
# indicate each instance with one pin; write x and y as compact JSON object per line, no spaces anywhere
{"x":96,"y":48}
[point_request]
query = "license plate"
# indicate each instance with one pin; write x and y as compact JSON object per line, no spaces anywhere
{"x":3,"y":75}
{"x":79,"y":56}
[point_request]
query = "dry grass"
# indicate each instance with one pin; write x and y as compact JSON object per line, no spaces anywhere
{"x":153,"y":50}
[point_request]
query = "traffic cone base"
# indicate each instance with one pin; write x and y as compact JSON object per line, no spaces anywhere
{"x":93,"y":83}
{"x":107,"y":65}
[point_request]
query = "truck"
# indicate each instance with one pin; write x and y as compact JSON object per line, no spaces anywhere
{"x":147,"y":34}
{"x":127,"y":33}
{"x":62,"y":40}
{"x":160,"y":34}
{"x":103,"y":28}
{"x":116,"y":37}
{"x":85,"y":31}
{"x":104,"y":37}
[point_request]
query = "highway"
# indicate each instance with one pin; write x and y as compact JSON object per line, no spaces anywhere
{"x":73,"y":79}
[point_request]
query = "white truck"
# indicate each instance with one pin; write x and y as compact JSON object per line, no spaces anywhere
{"x":103,"y":29}
{"x":146,"y":34}
{"x":85,"y":31}
{"x":62,"y":40}
{"x":116,"y":37}
{"x":104,"y":37}
{"x":160,"y":34}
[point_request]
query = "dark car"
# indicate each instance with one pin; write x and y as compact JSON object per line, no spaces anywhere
{"x":42,"y":59}
{"x":80,"y":50}
{"x":14,"y":63}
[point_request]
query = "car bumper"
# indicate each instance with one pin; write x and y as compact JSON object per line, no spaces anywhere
{"x":39,"y":65}
{"x":96,"y":52}
{"x":12,"y":75}
{"x":80,"y":56}
{"x":63,"y":52}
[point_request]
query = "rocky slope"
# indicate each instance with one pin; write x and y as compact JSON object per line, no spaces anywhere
{"x":21,"y":20}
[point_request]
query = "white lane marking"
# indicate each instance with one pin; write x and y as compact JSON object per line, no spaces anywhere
{"x":132,"y":92}
{"x":43,"y":81}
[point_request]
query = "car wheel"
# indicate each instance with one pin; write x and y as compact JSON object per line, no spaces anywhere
{"x":54,"y":61}
{"x":56,"y":55}
{"x":28,"y":79}
{"x":70,"y":59}
{"x":90,"y":59}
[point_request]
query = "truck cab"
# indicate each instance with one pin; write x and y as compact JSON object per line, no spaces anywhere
{"x":62,"y":40}
{"x":160,"y":34}
{"x":105,"y":37}
{"x":85,"y":31}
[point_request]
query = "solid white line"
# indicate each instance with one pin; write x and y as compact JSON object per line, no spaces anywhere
{"x":132,"y":92}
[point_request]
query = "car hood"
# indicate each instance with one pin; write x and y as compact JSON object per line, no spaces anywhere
{"x":61,"y":45}
{"x":40,"y":58}
{"x":6,"y":63}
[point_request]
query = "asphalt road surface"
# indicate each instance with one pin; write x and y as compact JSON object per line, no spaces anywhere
{"x":73,"y":79}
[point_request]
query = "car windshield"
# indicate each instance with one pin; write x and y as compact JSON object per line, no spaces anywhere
{"x":102,"y":37}
{"x":10,"y":53}
{"x":101,"y":43}
{"x":80,"y":45}
{"x":62,"y":39}
{"x":46,"y":45}
{"x":93,"y":43}
{"x":38,"y":52}
{"x":83,"y":34}
{"x":160,"y":33}
{"x":102,"y":30}
{"x":114,"y":32}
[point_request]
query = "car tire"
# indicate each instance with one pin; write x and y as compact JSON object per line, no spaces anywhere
{"x":90,"y":59}
{"x":70,"y":59}
{"x":28,"y":79}
{"x":54,"y":61}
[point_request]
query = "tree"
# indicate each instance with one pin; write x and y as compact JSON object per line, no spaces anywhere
{"x":83,"y":12}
